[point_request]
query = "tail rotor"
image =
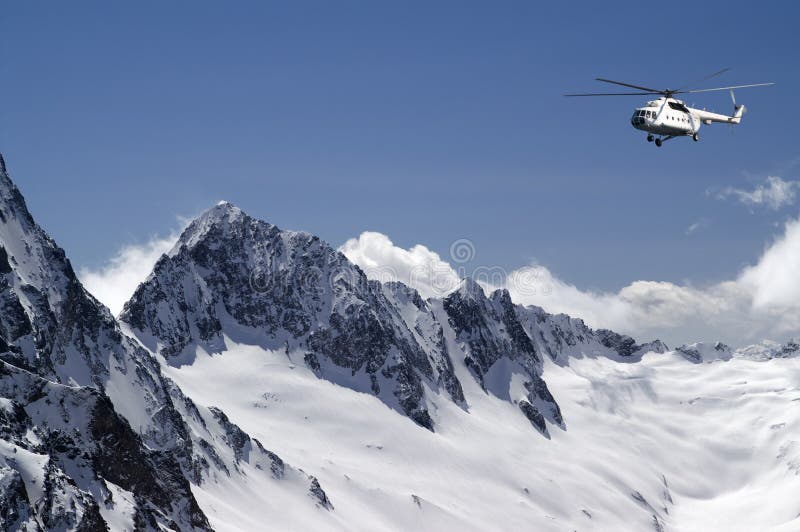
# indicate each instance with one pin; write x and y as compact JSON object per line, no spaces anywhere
{"x":738,"y":111}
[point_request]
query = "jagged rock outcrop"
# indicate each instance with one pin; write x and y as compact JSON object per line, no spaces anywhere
{"x":701,"y":352}
{"x":562,"y":337}
{"x":418,"y":315}
{"x":496,"y":345}
{"x":767,"y":350}
{"x":86,"y":415}
{"x":789,"y":349}
{"x":233,"y":277}
{"x":231,"y":273}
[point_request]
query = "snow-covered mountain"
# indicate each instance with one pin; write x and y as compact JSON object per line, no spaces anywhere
{"x":304,"y":348}
{"x":231,"y":277}
{"x":388,"y":411}
{"x":93,"y":433}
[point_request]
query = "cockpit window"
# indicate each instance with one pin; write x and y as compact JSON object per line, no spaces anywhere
{"x":678,"y":107}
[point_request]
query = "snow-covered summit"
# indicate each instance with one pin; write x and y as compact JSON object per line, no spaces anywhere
{"x":233,"y":277}
{"x":105,"y":436}
{"x":470,"y":288}
{"x":767,"y":350}
{"x":223,"y":214}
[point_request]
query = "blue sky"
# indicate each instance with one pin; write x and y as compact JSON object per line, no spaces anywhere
{"x":425,"y":121}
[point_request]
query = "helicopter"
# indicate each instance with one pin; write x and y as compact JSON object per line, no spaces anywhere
{"x":667,"y":118}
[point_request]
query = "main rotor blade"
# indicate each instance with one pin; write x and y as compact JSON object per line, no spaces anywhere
{"x":715,"y":74}
{"x":728,"y":88}
{"x":648,"y":89}
{"x":614,"y":94}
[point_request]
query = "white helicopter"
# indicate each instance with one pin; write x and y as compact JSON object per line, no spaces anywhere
{"x":666,"y":117}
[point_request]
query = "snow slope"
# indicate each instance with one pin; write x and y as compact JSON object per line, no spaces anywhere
{"x":515,"y":418}
{"x":661,"y":442}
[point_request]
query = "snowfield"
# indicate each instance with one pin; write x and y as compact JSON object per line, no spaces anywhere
{"x":664,"y":442}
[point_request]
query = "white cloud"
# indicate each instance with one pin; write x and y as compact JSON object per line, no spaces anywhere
{"x":775,"y":281}
{"x":763,"y":301}
{"x":696,"y":226}
{"x":418,"y":267}
{"x":114,"y":282}
{"x":774,"y":193}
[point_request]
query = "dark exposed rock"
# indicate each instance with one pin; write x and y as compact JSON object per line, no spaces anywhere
{"x":121,"y":458}
{"x":489,"y":329}
{"x":236,"y":437}
{"x":5,"y":267}
{"x":15,"y":508}
{"x":230,"y":271}
{"x":312,"y":361}
{"x":533,"y":415}
{"x":790,"y":349}
{"x":319,"y":494}
{"x":53,"y":331}
{"x":625,"y":346}
{"x":278,"y":467}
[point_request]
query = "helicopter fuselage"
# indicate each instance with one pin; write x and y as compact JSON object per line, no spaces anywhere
{"x":672,"y":118}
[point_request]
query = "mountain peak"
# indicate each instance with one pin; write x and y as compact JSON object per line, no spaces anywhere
{"x":221,"y":216}
{"x":470,"y":288}
{"x":220,"y":211}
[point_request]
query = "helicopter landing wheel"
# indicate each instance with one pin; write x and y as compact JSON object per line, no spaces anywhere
{"x":658,"y":142}
{"x":696,"y":137}
{"x":649,"y":138}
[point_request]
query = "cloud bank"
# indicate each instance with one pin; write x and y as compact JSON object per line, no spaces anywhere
{"x":116,"y":281}
{"x":762,"y":301}
{"x":418,"y":266}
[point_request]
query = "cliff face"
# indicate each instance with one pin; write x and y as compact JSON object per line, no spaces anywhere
{"x":233,"y":277}
{"x":92,"y":430}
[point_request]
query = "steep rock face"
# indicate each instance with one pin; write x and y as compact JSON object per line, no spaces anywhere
{"x":17,"y":513}
{"x":48,"y":323}
{"x":230,"y":274}
{"x":57,"y":334}
{"x":419,"y":317}
{"x":51,"y":326}
{"x":232,"y":277}
{"x":495,"y":345}
{"x":561,"y":337}
{"x":72,"y":450}
{"x":86,"y":406}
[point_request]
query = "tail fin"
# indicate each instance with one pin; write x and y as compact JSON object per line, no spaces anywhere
{"x":738,"y":110}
